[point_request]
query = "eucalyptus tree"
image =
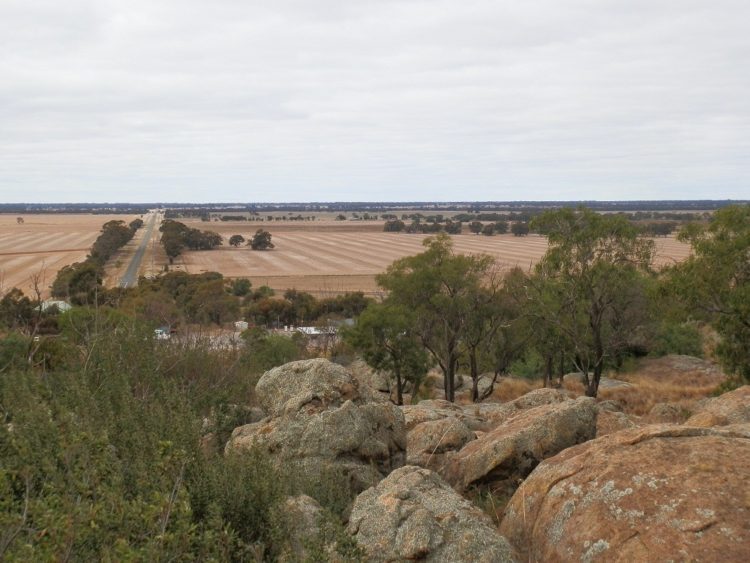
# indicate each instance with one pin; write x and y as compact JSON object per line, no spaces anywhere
{"x":715,"y":280}
{"x":437,"y":286}
{"x":384,"y":337}
{"x":588,"y":289}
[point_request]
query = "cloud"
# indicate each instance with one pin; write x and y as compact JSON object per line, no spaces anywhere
{"x":233,"y":100}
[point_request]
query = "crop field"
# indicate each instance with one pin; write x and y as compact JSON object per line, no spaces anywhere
{"x":334,"y":257}
{"x":43,"y":244}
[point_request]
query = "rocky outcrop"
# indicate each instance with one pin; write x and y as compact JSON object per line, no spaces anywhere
{"x":438,"y":409}
{"x":375,"y":379}
{"x":729,"y":408}
{"x":481,"y":416}
{"x":608,"y":422}
{"x":414,"y":515}
{"x":321,"y":418}
{"x":302,"y":517}
{"x":513,"y":449}
{"x":659,"y":493}
{"x":431,"y":443}
{"x":668,"y":412}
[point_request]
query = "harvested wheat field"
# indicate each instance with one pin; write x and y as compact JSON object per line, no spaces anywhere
{"x":334,"y":257}
{"x":43,"y":244}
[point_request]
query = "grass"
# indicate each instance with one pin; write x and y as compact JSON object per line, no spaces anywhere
{"x":510,"y":388}
{"x":679,"y":380}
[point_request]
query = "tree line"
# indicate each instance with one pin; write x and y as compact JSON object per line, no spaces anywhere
{"x":593,"y":300}
{"x":80,"y":282}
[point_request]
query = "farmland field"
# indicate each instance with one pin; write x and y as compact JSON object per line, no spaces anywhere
{"x":43,"y":244}
{"x":334,"y":257}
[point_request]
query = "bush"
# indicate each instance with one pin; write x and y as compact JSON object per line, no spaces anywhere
{"x":677,"y":338}
{"x":531,"y":366}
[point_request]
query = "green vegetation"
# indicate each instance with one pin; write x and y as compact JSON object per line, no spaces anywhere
{"x":81,"y":282}
{"x":261,"y":240}
{"x":383,"y":335}
{"x":715,"y":282}
{"x":101,"y":455}
{"x":111,"y":440}
{"x":236,"y":240}
{"x":176,"y":236}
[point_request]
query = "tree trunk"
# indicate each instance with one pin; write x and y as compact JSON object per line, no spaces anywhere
{"x":593,"y":387}
{"x":561,"y":370}
{"x":451,"y":380}
{"x":548,"y":371}
{"x":474,"y":376}
{"x":399,"y":389}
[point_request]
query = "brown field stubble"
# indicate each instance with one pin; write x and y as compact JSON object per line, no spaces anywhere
{"x":331,"y":257}
{"x":43,"y":244}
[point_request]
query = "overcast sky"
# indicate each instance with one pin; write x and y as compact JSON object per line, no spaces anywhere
{"x":302,"y":100}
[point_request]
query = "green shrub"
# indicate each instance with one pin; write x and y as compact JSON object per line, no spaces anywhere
{"x":677,"y":338}
{"x":530,"y":366}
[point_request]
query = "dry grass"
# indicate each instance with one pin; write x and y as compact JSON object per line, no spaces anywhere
{"x":679,"y":380}
{"x":510,"y":388}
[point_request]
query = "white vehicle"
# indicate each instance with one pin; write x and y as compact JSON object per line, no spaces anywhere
{"x":162,"y":334}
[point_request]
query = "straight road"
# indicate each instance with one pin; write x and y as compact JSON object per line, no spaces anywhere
{"x":130,"y":279}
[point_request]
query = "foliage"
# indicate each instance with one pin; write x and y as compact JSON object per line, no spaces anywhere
{"x":715,"y":281}
{"x":264,"y":351}
{"x":16,"y":310}
{"x":383,"y":337}
{"x":520,"y":228}
{"x":176,"y":236}
{"x":435,"y":285}
{"x":240,"y":287}
{"x":261,"y":240}
{"x":530,"y":366}
{"x":99,"y":460}
{"x":589,"y":291}
{"x":236,"y":240}
{"x":114,"y":235}
{"x":394,"y":226}
{"x":81,"y":282}
{"x":677,"y":338}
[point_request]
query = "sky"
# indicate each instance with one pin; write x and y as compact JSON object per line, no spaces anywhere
{"x":373,"y":100}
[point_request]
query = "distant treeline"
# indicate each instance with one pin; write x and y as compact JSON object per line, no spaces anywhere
{"x":63,"y":208}
{"x":473,"y":207}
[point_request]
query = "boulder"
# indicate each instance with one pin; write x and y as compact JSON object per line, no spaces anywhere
{"x":658,"y":493}
{"x":375,"y":379}
{"x":730,"y":408}
{"x":510,"y":451}
{"x":302,"y":516}
{"x":611,"y":383}
{"x":608,"y":422}
{"x":667,"y":412}
{"x":322,"y":419}
{"x":604,"y":382}
{"x":479,"y":416}
{"x":610,"y":405}
{"x":493,"y":414}
{"x":430,"y":443}
{"x":574,"y":377}
{"x":438,"y":409}
{"x":414,"y":515}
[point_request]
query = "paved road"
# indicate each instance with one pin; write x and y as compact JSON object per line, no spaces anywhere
{"x":130,"y":279}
